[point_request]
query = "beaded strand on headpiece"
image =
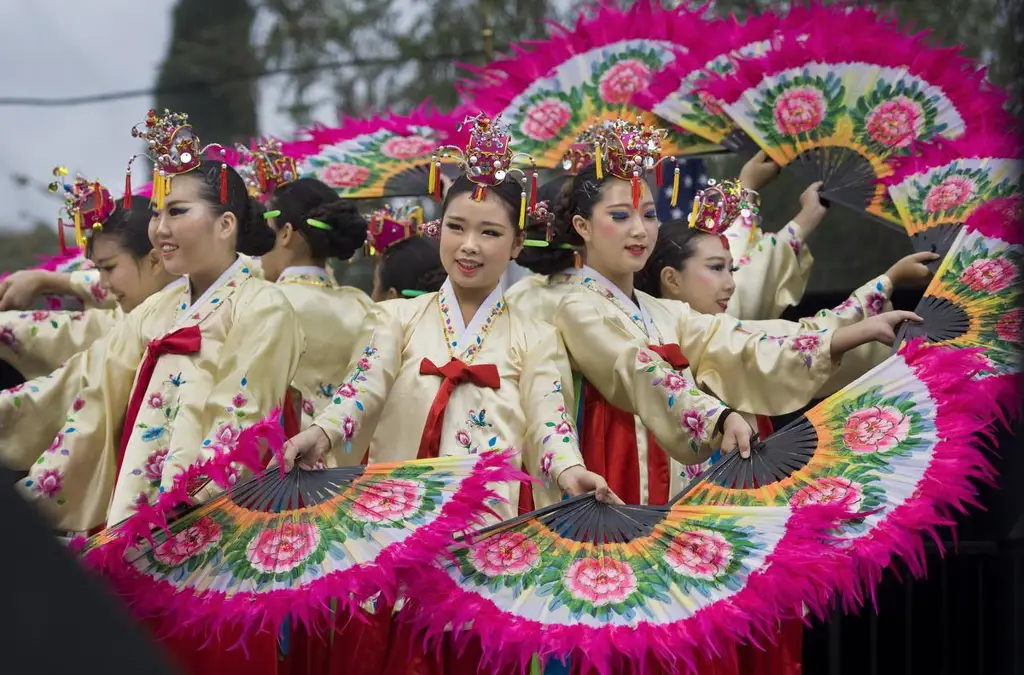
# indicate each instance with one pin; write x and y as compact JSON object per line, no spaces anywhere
{"x":174,"y":149}
{"x":264,"y":167}
{"x":487,"y":161}
{"x":87,"y":204}
{"x":388,"y":226}
{"x":719,"y":204}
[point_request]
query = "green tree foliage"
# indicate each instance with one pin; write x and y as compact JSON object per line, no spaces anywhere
{"x":209,"y":68}
{"x":25,"y":248}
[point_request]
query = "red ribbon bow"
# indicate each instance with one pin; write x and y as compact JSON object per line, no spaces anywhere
{"x":672,"y":354}
{"x":454,"y":372}
{"x":185,"y":340}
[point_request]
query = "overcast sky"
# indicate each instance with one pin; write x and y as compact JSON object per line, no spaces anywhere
{"x":62,"y":48}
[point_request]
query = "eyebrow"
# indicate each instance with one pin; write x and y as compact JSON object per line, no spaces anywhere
{"x":647,"y":205}
{"x":490,"y":223}
{"x":715,"y":257}
{"x":174,"y":203}
{"x":101,"y":261}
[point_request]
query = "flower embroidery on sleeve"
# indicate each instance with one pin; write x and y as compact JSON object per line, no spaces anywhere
{"x":874,"y":302}
{"x":806,"y":344}
{"x":350,"y":391}
{"x":8,"y":338}
{"x":49,"y":484}
{"x":797,"y":247}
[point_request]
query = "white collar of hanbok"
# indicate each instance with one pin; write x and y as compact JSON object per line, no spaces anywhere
{"x":464,"y":341}
{"x":212,"y":295}
{"x":308,"y":274}
{"x":597,"y":282}
{"x":180,"y":281}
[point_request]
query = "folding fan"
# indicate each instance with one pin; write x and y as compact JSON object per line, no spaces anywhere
{"x":673,"y":95}
{"x":974,"y":298}
{"x":617,"y":587}
{"x":279,"y":546}
{"x":380,"y":157}
{"x":838,"y":105}
{"x":935,"y":190}
{"x":72,"y":261}
{"x":553,"y":89}
{"x":894,"y":445}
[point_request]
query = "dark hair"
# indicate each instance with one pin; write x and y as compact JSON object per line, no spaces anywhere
{"x":412,"y":264}
{"x":128,"y":227}
{"x":552,"y":258}
{"x":254,"y":235}
{"x":676,"y":244}
{"x":509,"y":191}
{"x":309,"y":198}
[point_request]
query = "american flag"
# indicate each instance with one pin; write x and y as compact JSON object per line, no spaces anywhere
{"x":692,"y":177}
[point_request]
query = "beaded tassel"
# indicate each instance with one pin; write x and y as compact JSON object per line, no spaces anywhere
{"x":223,"y":183}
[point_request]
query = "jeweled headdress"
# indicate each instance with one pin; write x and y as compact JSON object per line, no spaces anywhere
{"x":87,"y":204}
{"x":388,"y":226}
{"x":719,"y":204}
{"x":264,"y":167}
{"x":174,"y":149}
{"x":487,"y":161}
{"x":628,"y":150}
{"x":582,"y":152}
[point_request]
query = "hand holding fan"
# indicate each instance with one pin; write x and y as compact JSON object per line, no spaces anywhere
{"x":617,"y":587}
{"x":895,"y":446}
{"x":280,"y":546}
{"x":840,"y":104}
{"x":554,"y":89}
{"x":938,"y":188}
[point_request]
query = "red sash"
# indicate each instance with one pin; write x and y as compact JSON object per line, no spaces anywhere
{"x":454,"y":372}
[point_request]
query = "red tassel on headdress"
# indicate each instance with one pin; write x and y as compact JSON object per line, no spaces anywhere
{"x":223,"y":183}
{"x":533,"y":190}
{"x":659,"y":176}
{"x":577,"y":260}
{"x":636,"y":191}
{"x":478,"y":193}
{"x":96,"y":196}
{"x":60,"y":235}
{"x":725,"y":241}
{"x":128,"y":190}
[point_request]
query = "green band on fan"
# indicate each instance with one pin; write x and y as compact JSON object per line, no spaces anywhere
{"x":413,"y":294}
{"x":267,"y":215}
{"x":318,"y":224}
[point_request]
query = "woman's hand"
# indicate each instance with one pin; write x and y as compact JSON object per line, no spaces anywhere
{"x":880,"y":328}
{"x":21,"y":289}
{"x":307,"y":448}
{"x":812,"y":211}
{"x":736,"y":434}
{"x":576,"y":480}
{"x":758,"y":172}
{"x":912,"y":270}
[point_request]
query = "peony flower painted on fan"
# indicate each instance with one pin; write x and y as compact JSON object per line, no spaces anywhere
{"x":545,"y":119}
{"x":49,"y":483}
{"x":875,"y":303}
{"x":702,"y":554}
{"x":828,"y":490}
{"x":949,"y":194}
{"x":391,"y":499}
{"x":799,"y":110}
{"x":154,"y":466}
{"x":895,"y":123}
{"x":600,"y":581}
{"x":618,"y":84}
{"x":710,"y":104}
{"x":875,"y":429}
{"x":508,"y":553}
{"x":344,"y":175}
{"x":1009,"y":327}
{"x":282,"y":547}
{"x":695,"y":422}
{"x":990,"y":275}
{"x":407,"y":147}
{"x":194,"y":540}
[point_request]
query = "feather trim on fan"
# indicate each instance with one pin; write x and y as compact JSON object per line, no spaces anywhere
{"x":838,"y":107}
{"x":897,"y":445}
{"x":940,"y":186}
{"x":70,"y":261}
{"x":617,"y":587}
{"x":551,"y":90}
{"x":381,"y":156}
{"x":302,"y":546}
{"x":673,"y":93}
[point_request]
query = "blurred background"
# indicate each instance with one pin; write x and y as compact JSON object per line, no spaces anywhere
{"x":80,"y":74}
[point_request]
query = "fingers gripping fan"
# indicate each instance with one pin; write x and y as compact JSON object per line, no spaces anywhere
{"x":674,"y":93}
{"x":974,"y":299}
{"x":618,"y":587}
{"x":895,"y":446}
{"x":379,"y":157}
{"x":552,"y":90}
{"x":839,"y":105}
{"x":937,"y":189}
{"x":280,"y":546}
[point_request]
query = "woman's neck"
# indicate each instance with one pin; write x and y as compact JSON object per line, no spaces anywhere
{"x":622,"y":280}
{"x":200,"y":282}
{"x":470,"y":300}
